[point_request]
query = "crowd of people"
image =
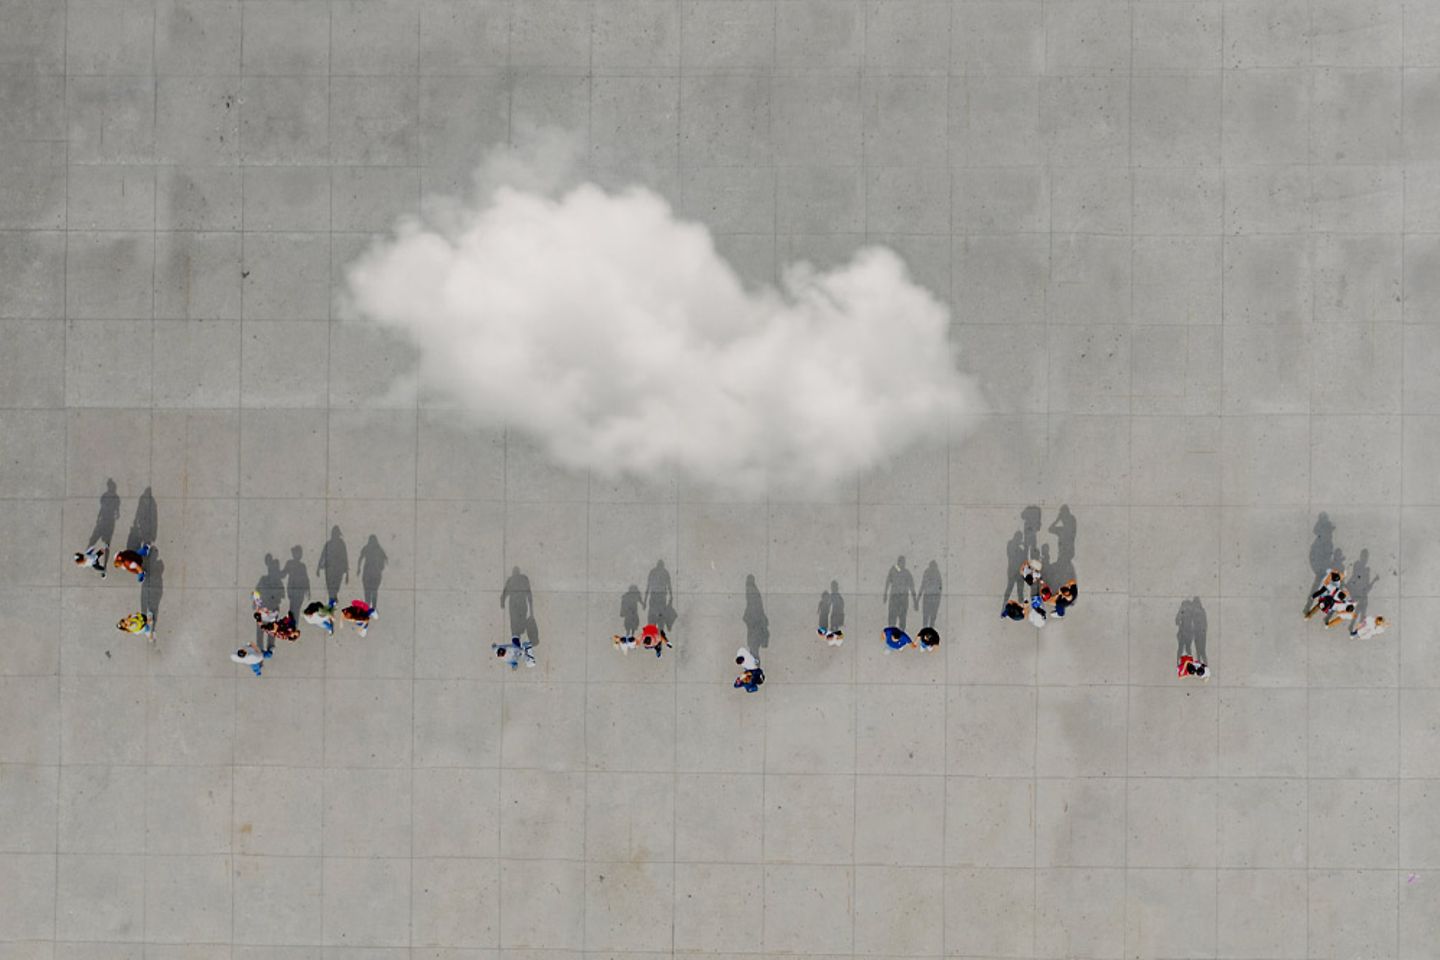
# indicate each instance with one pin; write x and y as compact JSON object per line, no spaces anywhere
{"x":1334,"y":601}
{"x":1045,"y":601}
{"x":1037,"y":601}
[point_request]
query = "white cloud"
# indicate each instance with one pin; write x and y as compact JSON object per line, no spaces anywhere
{"x":612,"y":331}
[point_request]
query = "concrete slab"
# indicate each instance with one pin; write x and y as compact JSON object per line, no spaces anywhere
{"x":1190,"y":251}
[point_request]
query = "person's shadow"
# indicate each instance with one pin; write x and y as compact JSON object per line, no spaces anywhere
{"x":270,"y":586}
{"x":831,"y":612}
{"x":757,"y":624}
{"x":334,"y":563}
{"x":153,"y":587}
{"x":1030,"y":525}
{"x":146,"y":525}
{"x":1062,"y":569}
{"x":930,"y":593}
{"x":1360,"y":583}
{"x":517,"y":597}
{"x":1190,"y":629}
{"x":1015,"y":555}
{"x":630,"y":603}
{"x":297,"y":580}
{"x":659,"y":597}
{"x":370,"y":567}
{"x":899,"y":593}
{"x":104,"y":529}
{"x":1322,"y":550}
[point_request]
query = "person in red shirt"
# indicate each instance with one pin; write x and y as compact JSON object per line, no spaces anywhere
{"x":1188,"y":668}
{"x":653,"y":638}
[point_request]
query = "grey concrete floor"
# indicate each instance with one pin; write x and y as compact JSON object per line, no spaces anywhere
{"x":1192,"y":249}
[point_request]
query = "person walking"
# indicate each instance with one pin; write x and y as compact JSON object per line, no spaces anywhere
{"x":133,"y":561}
{"x":1339,"y":612}
{"x":322,"y":615}
{"x":360,"y":614}
{"x":1323,"y":596}
{"x":1013,"y":610}
{"x":1037,"y":614}
{"x":253,"y":656}
{"x":1369,"y":627}
{"x":624,"y":643}
{"x":515,"y":651}
{"x":750,"y":680}
{"x":652,"y":637}
{"x":138,"y":622}
{"x":896,"y":639}
{"x":94,"y":558}
{"x":746,"y":660}
{"x":929,"y":639}
{"x":1030,"y":573}
{"x":1065,"y":598}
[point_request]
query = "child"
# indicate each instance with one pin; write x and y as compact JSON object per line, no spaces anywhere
{"x":322,"y":615}
{"x":1014,"y":610}
{"x":133,"y":561}
{"x":745,"y":659}
{"x":514,"y":651}
{"x":94,"y":558}
{"x":929,"y":639}
{"x":138,"y":622}
{"x":1369,"y":627}
{"x":1189,"y":667}
{"x":361,"y":614}
{"x":653,"y":638}
{"x":252,"y":656}
{"x":750,"y":680}
{"x":1037,"y":613}
{"x":624,"y":644}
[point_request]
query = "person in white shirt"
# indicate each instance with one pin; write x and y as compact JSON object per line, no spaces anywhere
{"x":94,"y":558}
{"x":745,"y":659}
{"x":515,"y":651}
{"x":1369,"y":627}
{"x":1340,"y":612}
{"x":252,"y":656}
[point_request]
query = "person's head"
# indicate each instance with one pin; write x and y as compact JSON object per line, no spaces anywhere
{"x":241,"y":652}
{"x":500,"y":652}
{"x":1381,"y":622}
{"x":80,"y":560}
{"x":929,"y":638}
{"x":1200,"y":670}
{"x":258,"y":618}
